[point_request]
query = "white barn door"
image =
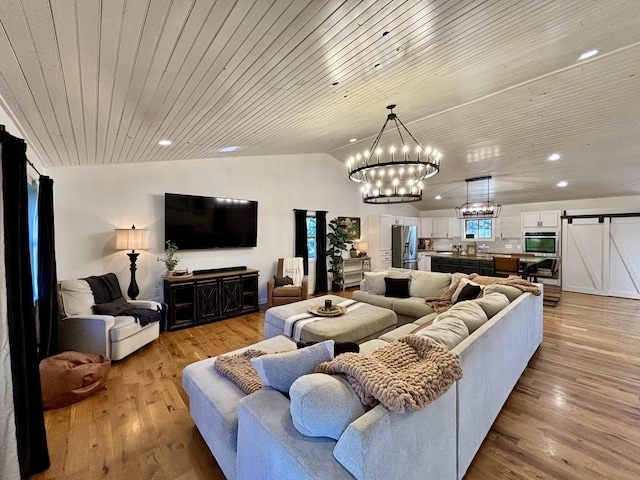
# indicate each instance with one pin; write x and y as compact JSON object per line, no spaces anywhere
{"x":585,"y":256}
{"x":624,"y":257}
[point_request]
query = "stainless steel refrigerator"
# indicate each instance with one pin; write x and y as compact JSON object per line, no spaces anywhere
{"x":404,"y":244}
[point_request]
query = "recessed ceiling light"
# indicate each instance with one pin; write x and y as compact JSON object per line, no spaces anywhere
{"x":554,"y":156}
{"x":352,"y":140}
{"x":562,"y":184}
{"x":438,"y":197}
{"x":588,"y":54}
{"x":229,"y":149}
{"x":164,"y":142}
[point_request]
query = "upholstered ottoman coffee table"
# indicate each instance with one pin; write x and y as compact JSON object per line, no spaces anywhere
{"x":359,"y":323}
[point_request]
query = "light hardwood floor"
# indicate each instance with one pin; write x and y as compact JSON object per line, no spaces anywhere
{"x":574,"y":414}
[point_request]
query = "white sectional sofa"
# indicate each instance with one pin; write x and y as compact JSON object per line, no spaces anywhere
{"x":255,"y":437}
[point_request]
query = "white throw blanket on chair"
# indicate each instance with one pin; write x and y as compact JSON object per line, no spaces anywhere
{"x":294,"y":268}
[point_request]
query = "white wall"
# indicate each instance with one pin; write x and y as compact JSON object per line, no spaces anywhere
{"x":91,"y":201}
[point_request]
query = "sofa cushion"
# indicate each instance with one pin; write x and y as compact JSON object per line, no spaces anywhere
{"x":448,"y":332}
{"x":396,"y":287}
{"x":510,"y":292}
{"x":426,"y":319}
{"x":280,"y":370}
{"x":492,"y":303}
{"x":429,"y":284}
{"x":396,"y":333}
{"x":374,"y":282}
{"x":399,"y":273}
{"x":75,"y":297}
{"x":124,"y":326}
{"x":377,"y":300}
{"x":469,"y":312}
{"x":413,"y":307}
{"x":287,"y":291}
{"x":323,"y":405}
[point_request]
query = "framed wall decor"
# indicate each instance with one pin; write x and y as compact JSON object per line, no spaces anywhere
{"x":352,"y":225}
{"x":471,"y":250}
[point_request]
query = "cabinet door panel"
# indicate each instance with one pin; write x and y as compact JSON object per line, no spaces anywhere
{"x":208,"y":304}
{"x":231,"y":296}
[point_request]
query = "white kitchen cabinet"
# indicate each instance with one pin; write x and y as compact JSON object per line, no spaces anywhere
{"x":379,"y":240}
{"x":424,"y":262}
{"x":443,"y":227}
{"x":510,"y":226}
{"x":426,"y":227}
{"x":541,"y":219}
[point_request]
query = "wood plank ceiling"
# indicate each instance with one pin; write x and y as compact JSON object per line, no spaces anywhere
{"x":495,"y":85}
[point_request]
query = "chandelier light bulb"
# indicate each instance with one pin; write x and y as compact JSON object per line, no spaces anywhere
{"x":392,"y":149}
{"x":395,"y":182}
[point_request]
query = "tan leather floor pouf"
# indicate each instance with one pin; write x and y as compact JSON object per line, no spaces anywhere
{"x":69,"y":377}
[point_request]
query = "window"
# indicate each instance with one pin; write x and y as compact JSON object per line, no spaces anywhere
{"x":32,"y":195}
{"x":311,"y":237}
{"x":481,"y":229}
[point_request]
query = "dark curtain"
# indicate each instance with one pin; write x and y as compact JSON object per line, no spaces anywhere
{"x":301,"y":238}
{"x":321,"y":257}
{"x":31,"y":437}
{"x":47,"y":277}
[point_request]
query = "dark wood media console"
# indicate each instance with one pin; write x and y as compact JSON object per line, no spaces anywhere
{"x":211,"y":296}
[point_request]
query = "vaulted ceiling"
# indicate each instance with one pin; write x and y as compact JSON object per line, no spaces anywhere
{"x":495,"y":85}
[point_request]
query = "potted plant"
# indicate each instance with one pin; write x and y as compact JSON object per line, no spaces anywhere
{"x":337,"y":244}
{"x":170,"y":260}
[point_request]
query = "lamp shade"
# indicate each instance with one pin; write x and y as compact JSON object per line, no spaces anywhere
{"x":362,"y":246}
{"x":132,"y":238}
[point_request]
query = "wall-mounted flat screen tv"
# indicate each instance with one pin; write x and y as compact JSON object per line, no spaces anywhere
{"x":194,"y":222}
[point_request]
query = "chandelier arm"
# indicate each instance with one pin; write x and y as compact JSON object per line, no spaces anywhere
{"x":396,"y":120}
{"x":377,"y":140}
{"x":407,"y":130}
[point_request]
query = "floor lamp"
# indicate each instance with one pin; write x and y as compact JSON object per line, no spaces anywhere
{"x":132,"y":239}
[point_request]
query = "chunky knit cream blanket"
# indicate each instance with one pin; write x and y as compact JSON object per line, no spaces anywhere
{"x":443,"y":303}
{"x":237,"y":368}
{"x":410,"y":373}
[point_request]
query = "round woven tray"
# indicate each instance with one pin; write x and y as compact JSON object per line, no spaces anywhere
{"x":335,"y":311}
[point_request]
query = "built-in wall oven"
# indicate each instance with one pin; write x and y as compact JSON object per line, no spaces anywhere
{"x":541,"y":243}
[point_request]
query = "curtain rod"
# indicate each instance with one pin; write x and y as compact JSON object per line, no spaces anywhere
{"x":4,"y":129}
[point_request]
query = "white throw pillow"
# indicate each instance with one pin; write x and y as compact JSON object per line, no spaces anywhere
{"x":323,"y":405}
{"x":75,"y":297}
{"x":374,"y":282}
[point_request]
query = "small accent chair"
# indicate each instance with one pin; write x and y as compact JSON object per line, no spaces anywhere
{"x":80,"y":330}
{"x":506,"y":266}
{"x":547,"y":268}
{"x":289,"y":294}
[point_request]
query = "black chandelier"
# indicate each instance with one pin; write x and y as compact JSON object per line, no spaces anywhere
{"x":399,"y":177}
{"x":478,"y":210}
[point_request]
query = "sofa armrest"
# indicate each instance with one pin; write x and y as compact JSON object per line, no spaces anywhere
{"x":269,"y":446}
{"x":271,"y":283}
{"x":410,"y":446}
{"x":305,"y":287}
{"x":86,"y":334}
{"x":148,"y":304}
